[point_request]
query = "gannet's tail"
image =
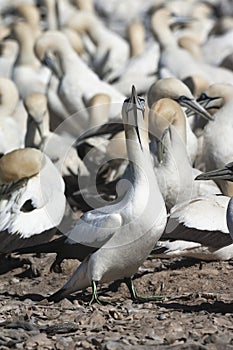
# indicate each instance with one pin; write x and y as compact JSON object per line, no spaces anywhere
{"x":78,"y":281}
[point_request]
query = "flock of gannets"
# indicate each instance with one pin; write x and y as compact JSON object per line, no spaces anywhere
{"x":115,"y":108}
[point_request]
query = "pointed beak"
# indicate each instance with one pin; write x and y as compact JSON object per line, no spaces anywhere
{"x":161,"y":144}
{"x":133,"y":105}
{"x":40,"y":128}
{"x":183,"y":19}
{"x":52,"y":63}
{"x":196,"y":107}
{"x":219,"y":174}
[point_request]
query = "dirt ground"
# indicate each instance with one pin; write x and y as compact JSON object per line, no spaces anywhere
{"x":195,"y":313}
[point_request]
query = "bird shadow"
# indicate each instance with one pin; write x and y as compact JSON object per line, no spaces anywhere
{"x":9,"y":263}
{"x":217,"y":307}
{"x":31,"y":296}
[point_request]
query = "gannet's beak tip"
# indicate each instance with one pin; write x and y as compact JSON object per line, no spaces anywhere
{"x":198,"y":108}
{"x":198,"y":177}
{"x":225,"y":173}
{"x":133,"y":97}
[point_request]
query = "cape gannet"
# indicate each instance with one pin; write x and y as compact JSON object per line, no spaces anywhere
{"x":11,"y":135}
{"x":176,"y":90}
{"x":125,"y":232}
{"x":224,"y":174}
{"x":218,"y":142}
{"x":32,"y":200}
{"x":57,"y":147}
{"x":174,"y":172}
{"x":78,"y":83}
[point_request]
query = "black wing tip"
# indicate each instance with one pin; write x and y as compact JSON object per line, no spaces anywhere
{"x":57,"y":296}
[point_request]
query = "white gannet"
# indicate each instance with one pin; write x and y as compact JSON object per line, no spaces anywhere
{"x":32,"y":200}
{"x":202,"y":23}
{"x":78,"y":83}
{"x":28,"y":74}
{"x":175,"y":89}
{"x":223,"y":174}
{"x":31,"y":16}
{"x":174,"y":172}
{"x":197,"y":228}
{"x":126,"y":231}
{"x":8,"y":54}
{"x":112,"y":51}
{"x":58,"y":148}
{"x":178,"y":61}
{"x":218,"y":142}
{"x":11,"y":136}
{"x":140,"y":70}
{"x":217,"y":47}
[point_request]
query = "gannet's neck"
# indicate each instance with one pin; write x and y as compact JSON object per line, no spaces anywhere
{"x":9,"y":97}
{"x":162,"y":31}
{"x":23,"y":35}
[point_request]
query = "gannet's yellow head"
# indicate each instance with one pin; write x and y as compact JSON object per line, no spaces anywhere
{"x":36,"y":106}
{"x":20,"y":164}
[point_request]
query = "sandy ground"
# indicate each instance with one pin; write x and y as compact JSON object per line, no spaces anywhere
{"x":195,"y":312}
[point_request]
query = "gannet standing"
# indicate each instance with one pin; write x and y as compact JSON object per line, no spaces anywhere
{"x":124,"y":232}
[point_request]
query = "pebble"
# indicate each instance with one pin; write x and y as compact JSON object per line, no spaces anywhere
{"x":162,"y":317}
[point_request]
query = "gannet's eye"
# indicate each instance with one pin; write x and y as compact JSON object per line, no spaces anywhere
{"x":203,"y":96}
{"x":183,"y":98}
{"x":230,"y":166}
{"x":173,"y":14}
{"x":141,"y":102}
{"x":27,"y":206}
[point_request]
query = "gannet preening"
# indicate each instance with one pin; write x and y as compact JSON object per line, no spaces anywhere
{"x":218,"y":142}
{"x":57,"y":147}
{"x":224,"y":174}
{"x":32,"y":200}
{"x":124,"y":232}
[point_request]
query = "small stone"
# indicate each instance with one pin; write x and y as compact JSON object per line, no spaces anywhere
{"x":40,"y":339}
{"x":85,"y":344}
{"x":14,"y":280}
{"x":162,"y":317}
